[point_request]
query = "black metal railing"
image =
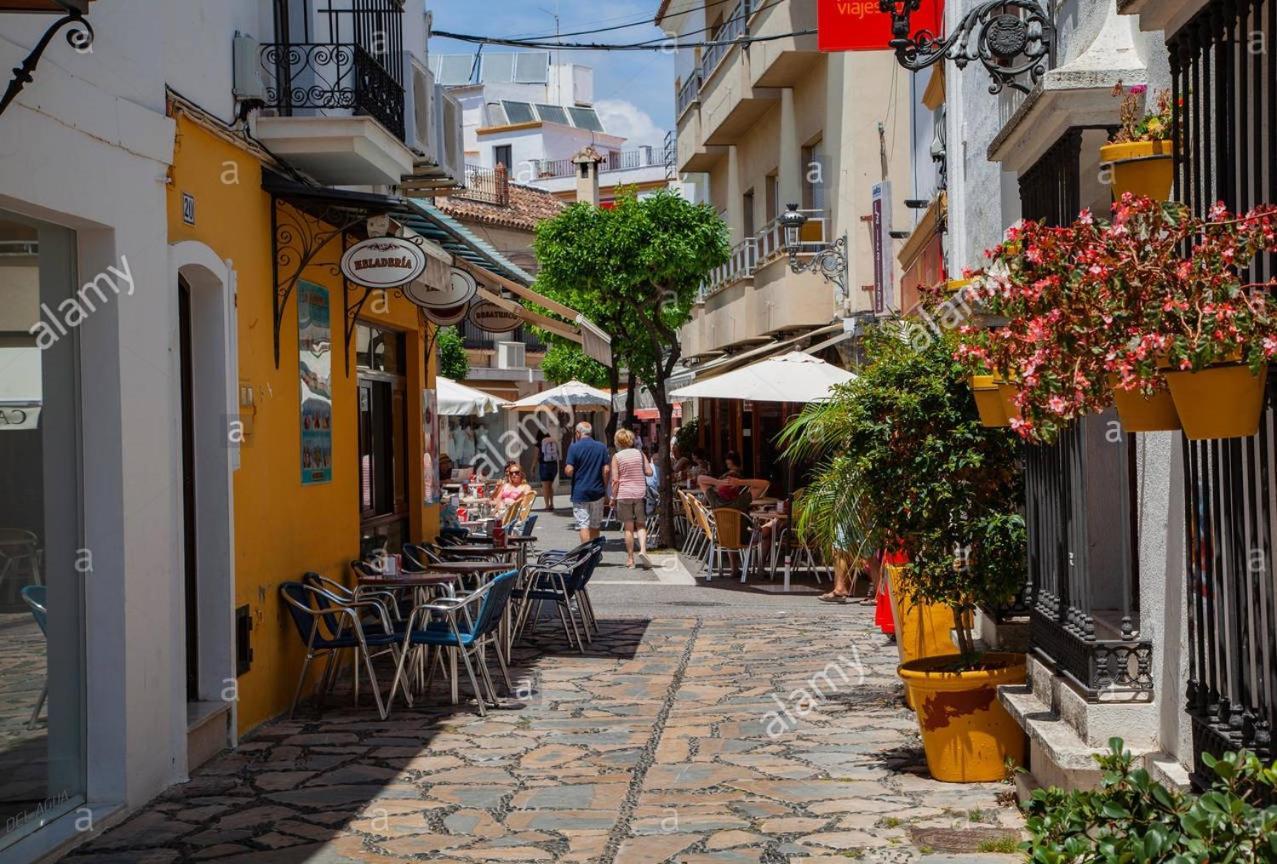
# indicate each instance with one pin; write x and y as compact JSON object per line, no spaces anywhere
{"x":1225,"y":97}
{"x":689,"y":94}
{"x":1083,"y":590}
{"x":321,"y":78}
{"x":479,"y":339}
{"x":1050,"y":191}
{"x":485,"y":185}
{"x":732,"y":28}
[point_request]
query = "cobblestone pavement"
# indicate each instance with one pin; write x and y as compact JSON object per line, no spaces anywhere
{"x":667,"y":741}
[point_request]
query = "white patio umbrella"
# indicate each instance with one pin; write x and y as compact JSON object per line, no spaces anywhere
{"x":571,"y":395}
{"x":793,"y":377}
{"x":458,"y":400}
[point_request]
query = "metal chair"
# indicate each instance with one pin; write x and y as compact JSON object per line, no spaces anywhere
{"x":327,"y":624}
{"x":733,"y":536}
{"x":562,"y":580}
{"x":464,"y":628}
{"x":20,"y":553}
{"x":36,"y":597}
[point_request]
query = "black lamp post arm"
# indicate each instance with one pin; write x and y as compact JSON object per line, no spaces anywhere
{"x":80,"y":37}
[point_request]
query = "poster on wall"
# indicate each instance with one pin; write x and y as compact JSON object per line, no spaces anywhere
{"x":315,"y":363}
{"x":430,"y":446}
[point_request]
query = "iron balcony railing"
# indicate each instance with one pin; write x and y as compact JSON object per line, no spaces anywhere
{"x":1227,"y":151}
{"x":616,"y":160}
{"x":689,"y":94}
{"x":325,"y":78}
{"x":478,"y":339}
{"x":485,"y":185}
{"x":724,"y":38}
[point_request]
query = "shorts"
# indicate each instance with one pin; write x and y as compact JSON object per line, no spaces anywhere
{"x":631,"y":510}
{"x":587,"y":514}
{"x":549,"y":471}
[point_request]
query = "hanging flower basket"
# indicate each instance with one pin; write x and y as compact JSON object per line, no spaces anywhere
{"x":1143,"y":168}
{"x":1140,"y":413}
{"x":1223,"y":401}
{"x":988,"y":401}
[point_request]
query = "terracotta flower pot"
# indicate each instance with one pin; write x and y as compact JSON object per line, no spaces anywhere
{"x":922,"y":629}
{"x":1223,"y":401}
{"x":988,"y":401}
{"x":1140,"y":414}
{"x":967,"y":735}
{"x":1141,"y":168}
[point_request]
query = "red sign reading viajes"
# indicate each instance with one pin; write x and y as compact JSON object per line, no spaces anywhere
{"x":861,"y":25}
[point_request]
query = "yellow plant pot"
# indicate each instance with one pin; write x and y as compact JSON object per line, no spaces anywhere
{"x":967,"y":735}
{"x":1219,"y":402}
{"x":1009,"y":390}
{"x":988,"y":400}
{"x":1141,"y":168}
{"x":1140,"y":414}
{"x":922,"y":629}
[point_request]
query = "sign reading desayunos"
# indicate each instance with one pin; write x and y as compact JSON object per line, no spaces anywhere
{"x":455,"y":291}
{"x":492,"y":318}
{"x":383,"y":262}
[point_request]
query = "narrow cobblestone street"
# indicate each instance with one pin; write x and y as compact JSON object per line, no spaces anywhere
{"x":667,"y":741}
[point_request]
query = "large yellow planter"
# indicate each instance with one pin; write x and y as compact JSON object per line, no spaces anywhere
{"x":1009,"y":390}
{"x":922,"y":629}
{"x":967,"y":735}
{"x":1140,"y":414}
{"x":1223,"y":401}
{"x":1141,"y":168}
{"x":988,"y":400}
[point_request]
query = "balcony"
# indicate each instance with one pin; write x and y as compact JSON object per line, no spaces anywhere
{"x":729,"y":104}
{"x":334,"y":96}
{"x":616,"y":160}
{"x":782,"y":62}
{"x":739,"y":266}
{"x":689,"y":94}
{"x":485,"y":185}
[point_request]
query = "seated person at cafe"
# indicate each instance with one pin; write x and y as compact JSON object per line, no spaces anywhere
{"x":511,"y":490}
{"x":445,"y":467}
{"x":732,"y":489}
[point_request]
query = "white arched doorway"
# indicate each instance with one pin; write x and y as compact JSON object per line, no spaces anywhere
{"x":206,"y":386}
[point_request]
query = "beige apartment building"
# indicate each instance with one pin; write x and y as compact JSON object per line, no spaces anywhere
{"x":763,"y":122}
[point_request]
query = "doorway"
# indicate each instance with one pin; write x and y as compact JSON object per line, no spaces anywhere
{"x":190,"y":535}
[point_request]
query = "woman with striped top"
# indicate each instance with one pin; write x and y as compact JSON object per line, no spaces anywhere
{"x":630,"y":470}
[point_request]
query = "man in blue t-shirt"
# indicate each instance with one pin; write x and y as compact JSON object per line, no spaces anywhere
{"x":587,"y":465}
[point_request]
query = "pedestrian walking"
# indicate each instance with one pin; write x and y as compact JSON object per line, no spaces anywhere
{"x":630,"y":469}
{"x":548,"y":467}
{"x":587,"y":465}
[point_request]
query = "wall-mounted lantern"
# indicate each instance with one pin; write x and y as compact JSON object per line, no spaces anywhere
{"x":829,"y":261}
{"x":1012,"y":38}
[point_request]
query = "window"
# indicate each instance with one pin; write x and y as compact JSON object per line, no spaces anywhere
{"x":518,"y":112}
{"x":503,"y":154}
{"x":748,"y":213}
{"x":773,"y":196}
{"x":41,"y":536}
{"x":585,"y":118}
{"x":553,"y":114}
{"x":383,"y":438}
{"x":814,"y":167}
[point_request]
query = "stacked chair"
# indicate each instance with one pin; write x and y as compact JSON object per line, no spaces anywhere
{"x":562,"y":578}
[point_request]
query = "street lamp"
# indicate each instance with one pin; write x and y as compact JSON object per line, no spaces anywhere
{"x":829,"y":261}
{"x":1010,"y":37}
{"x":79,"y":37}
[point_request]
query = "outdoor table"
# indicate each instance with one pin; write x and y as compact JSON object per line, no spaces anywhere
{"x":759,"y":517}
{"x":522,"y":542}
{"x":479,"y":549}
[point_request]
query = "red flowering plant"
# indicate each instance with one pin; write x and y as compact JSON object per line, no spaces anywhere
{"x":1187,"y":312}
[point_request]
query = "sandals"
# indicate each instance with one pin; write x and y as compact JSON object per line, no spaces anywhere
{"x":831,"y":597}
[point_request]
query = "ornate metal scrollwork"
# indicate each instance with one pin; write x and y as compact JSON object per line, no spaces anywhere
{"x":79,"y":37}
{"x":1012,"y":38}
{"x":830,"y":262}
{"x":321,"y":76}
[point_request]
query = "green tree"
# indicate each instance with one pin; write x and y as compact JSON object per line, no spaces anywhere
{"x":905,"y":462}
{"x":453,"y":362}
{"x":565,"y":361}
{"x":634,"y":270}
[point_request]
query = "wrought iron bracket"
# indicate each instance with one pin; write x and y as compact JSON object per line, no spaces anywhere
{"x":830,"y":262}
{"x":80,"y":37}
{"x":1011,"y":38}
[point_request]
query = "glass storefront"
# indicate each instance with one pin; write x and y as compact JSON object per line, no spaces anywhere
{"x":42,"y":560}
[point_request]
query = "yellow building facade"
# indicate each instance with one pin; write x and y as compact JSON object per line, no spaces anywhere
{"x":283,"y":527}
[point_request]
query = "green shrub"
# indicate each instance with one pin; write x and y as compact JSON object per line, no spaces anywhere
{"x":1132,"y":818}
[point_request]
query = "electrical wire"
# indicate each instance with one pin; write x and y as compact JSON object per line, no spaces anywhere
{"x":659,"y":45}
{"x":645,"y":21}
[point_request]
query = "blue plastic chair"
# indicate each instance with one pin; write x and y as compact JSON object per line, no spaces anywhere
{"x":36,"y":597}
{"x":328,"y":624}
{"x":462,"y":627}
{"x":528,"y":524}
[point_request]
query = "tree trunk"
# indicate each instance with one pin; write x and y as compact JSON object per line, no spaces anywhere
{"x":614,"y":382}
{"x":630,"y":387}
{"x":664,"y":431}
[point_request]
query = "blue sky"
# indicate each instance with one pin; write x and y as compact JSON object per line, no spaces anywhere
{"x":634,"y":91}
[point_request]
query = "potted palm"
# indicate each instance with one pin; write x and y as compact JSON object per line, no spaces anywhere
{"x":1139,"y":154}
{"x":919,"y":472}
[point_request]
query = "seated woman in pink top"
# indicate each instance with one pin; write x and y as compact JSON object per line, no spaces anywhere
{"x":630,"y":470}
{"x":511,"y":491}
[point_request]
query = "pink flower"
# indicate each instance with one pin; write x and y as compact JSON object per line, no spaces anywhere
{"x":1138,"y":89}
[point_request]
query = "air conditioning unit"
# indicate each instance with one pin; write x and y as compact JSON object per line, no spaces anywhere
{"x":419,"y":110}
{"x":246,"y":81}
{"x":511,"y":355}
{"x":450,"y":135}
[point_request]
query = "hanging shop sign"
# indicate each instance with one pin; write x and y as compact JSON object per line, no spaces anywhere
{"x":383,"y":262}
{"x":456,"y":290}
{"x":447,"y":316}
{"x":861,"y":25}
{"x":492,"y":318}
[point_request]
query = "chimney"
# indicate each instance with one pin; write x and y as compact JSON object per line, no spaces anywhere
{"x":587,"y":175}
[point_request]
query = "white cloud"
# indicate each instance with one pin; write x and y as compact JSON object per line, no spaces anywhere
{"x":630,"y":122}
